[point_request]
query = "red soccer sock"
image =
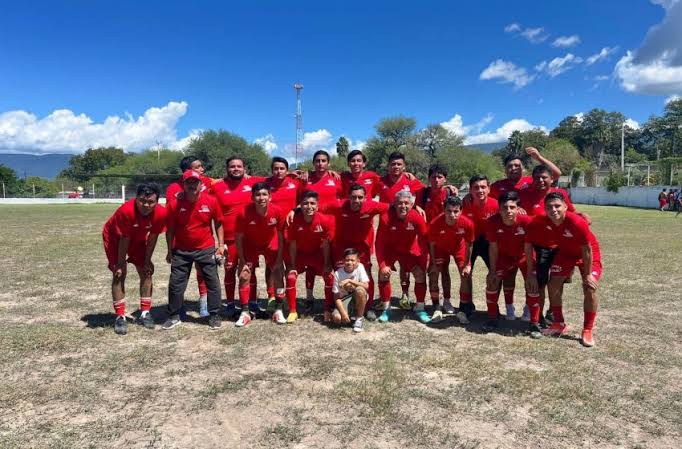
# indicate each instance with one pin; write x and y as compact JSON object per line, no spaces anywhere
{"x":420,"y":291}
{"x":244,"y":293}
{"x":309,"y":279}
{"x":203,"y":289}
{"x":509,"y":296}
{"x":328,"y":285}
{"x":588,"y":322}
{"x":491,"y":299}
{"x":120,"y":307}
{"x":271,"y":292}
{"x":145,"y":304}
{"x":558,"y":313}
{"x":435,"y":298}
{"x":533,"y":302}
{"x":385,"y":291}
{"x":291,"y":292}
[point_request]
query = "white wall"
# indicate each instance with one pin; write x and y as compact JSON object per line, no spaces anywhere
{"x":65,"y":201}
{"x":644,"y":197}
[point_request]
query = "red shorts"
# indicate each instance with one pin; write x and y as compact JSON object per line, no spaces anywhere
{"x":507,"y":266}
{"x":136,"y":252}
{"x":251,"y":255}
{"x":305,"y":262}
{"x":442,"y":257}
{"x":662,"y":204}
{"x":562,"y":266}
{"x":365,"y":255}
{"x":408,"y":262}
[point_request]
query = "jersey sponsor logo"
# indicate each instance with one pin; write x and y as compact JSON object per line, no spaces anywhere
{"x":300,"y":228}
{"x":549,"y":227}
{"x":227,"y":191}
{"x":344,"y":215}
{"x":459,"y":231}
{"x":555,"y":269}
{"x":393,"y":228}
{"x":368,"y":181}
{"x":567,"y":233}
{"x":405,"y":188}
{"x":272,"y":222}
{"x":500,"y":231}
{"x":520,"y":231}
{"x":291,"y":185}
{"x":331,"y":183}
{"x":246,"y":189}
{"x":362,"y":216}
{"x":136,"y":225}
{"x":442,"y":231}
{"x":318,"y":228}
{"x":409,"y":227}
{"x":182,"y":209}
{"x":204,"y":209}
{"x":252,"y":222}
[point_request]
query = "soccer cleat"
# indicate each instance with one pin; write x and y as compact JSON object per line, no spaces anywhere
{"x":371,"y":315}
{"x":171,"y":323}
{"x":447,"y":307}
{"x":253,"y":308}
{"x":230,"y":309}
{"x":491,"y":326}
{"x":146,"y":320}
{"x":526,"y":314}
{"x":422,"y":316}
{"x":244,"y":319}
{"x":385,"y":316}
{"x":272,"y":305}
{"x":535,"y":331}
{"x":586,"y":338}
{"x":278,"y":317}
{"x":357,"y":325}
{"x":121,"y":325}
{"x":462,"y":317}
{"x":556,"y":329}
{"x":292,"y":317}
{"x":511,"y":313}
{"x":437,"y":316}
{"x":214,"y":322}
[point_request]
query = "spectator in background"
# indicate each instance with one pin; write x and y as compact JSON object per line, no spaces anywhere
{"x":662,"y":200}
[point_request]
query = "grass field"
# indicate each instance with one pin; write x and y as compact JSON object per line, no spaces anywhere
{"x":69,"y":381}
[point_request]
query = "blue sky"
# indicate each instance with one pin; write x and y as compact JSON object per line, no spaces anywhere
{"x":82,"y":73}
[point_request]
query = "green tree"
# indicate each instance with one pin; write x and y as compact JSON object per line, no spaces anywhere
{"x":563,"y":153}
{"x":462,"y":163}
{"x":9,"y":178}
{"x":43,"y":187}
{"x":214,"y":147}
{"x":84,"y":166}
{"x":434,"y":138}
{"x":393,"y":134}
{"x":570,"y":128}
{"x":342,"y":147}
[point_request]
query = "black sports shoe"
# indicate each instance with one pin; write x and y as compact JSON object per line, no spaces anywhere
{"x":214,"y":321}
{"x":535,"y":331}
{"x":308,"y":307}
{"x":491,"y":325}
{"x":147,"y":321}
{"x":121,"y":325}
{"x":171,"y":323}
{"x":549,"y":316}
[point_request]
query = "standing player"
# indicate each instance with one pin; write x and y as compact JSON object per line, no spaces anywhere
{"x":260,"y":232}
{"x":309,"y":234}
{"x":577,"y":247}
{"x":284,"y":187}
{"x":357,"y":175}
{"x":191,"y":219}
{"x":133,"y":231}
{"x":350,"y":288}
{"x":532,"y":198}
{"x":401,"y":238}
{"x":513,"y":169}
{"x":450,"y":234}
{"x":505,"y":233}
{"x":479,"y":209}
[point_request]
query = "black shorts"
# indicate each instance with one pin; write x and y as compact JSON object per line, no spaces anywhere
{"x":480,"y":249}
{"x":543,"y":260}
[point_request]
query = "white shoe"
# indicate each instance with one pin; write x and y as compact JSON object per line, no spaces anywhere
{"x":437,"y":316}
{"x":371,"y":315}
{"x":462,"y":317}
{"x":526,"y":314}
{"x":278,"y":317}
{"x":203,"y":307}
{"x":511,"y":312}
{"x":447,"y":307}
{"x":357,"y":325}
{"x":244,"y":319}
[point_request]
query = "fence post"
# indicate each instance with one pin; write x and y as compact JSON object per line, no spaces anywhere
{"x":93,"y":190}
{"x":648,"y":174}
{"x":34,"y":191}
{"x":123,"y":193}
{"x":62,"y":190}
{"x":3,"y":189}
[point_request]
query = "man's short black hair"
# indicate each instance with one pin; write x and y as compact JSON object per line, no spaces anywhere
{"x":186,"y":162}
{"x":351,"y":252}
{"x":477,"y":178}
{"x":437,"y":169}
{"x":279,"y":159}
{"x":453,"y":200}
{"x":395,"y":156}
{"x":511,"y":157}
{"x":148,"y":189}
{"x":310,"y":194}
{"x":555,"y":196}
{"x":357,"y":187}
{"x":260,"y":186}
{"x":509,"y":196}
{"x":354,"y":153}
{"x":234,"y":158}
{"x":323,"y":153}
{"x":542,"y":168}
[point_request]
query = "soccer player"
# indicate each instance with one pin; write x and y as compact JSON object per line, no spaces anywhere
{"x":285,"y":188}
{"x":478,"y":209}
{"x":401,"y":237}
{"x":260,"y":232}
{"x":532,"y":198}
{"x":576,"y":247}
{"x":191,"y":220}
{"x":513,"y":169}
{"x":309,"y":234}
{"x":132,"y":231}
{"x":350,"y":289}
{"x":505,"y":233}
{"x":450,"y":234}
{"x":234,"y":193}
{"x":357,"y":175}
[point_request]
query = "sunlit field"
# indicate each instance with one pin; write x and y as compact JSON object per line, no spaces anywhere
{"x":68,"y":381}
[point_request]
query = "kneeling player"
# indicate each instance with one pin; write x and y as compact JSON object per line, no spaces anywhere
{"x":401,"y":238}
{"x":350,"y":289}
{"x":576,"y":247}
{"x":451,"y":234}
{"x":133,"y":231}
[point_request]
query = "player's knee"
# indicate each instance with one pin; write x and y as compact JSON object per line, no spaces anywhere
{"x":360,"y":292}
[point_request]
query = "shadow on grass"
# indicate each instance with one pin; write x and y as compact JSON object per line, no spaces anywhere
{"x":158,"y":312}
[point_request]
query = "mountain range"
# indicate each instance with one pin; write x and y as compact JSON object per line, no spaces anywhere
{"x":44,"y":165}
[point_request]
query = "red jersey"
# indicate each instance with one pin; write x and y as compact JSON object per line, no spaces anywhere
{"x":507,"y":185}
{"x":532,"y":200}
{"x":285,"y":192}
{"x":309,"y":236}
{"x":367,"y":179}
{"x":479,"y":214}
{"x":450,"y":238}
{"x":191,"y":222}
{"x":175,"y":187}
{"x":568,"y":237}
{"x":328,"y":189}
{"x":433,"y":202}
{"x":261,"y":231}
{"x":388,"y":189}
{"x":509,"y":239}
{"x":128,"y":223}
{"x":400,"y":237}
{"x":356,"y":229}
{"x":233,"y":196}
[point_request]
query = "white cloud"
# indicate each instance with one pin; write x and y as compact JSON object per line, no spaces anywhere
{"x":64,"y":131}
{"x":356,"y":144}
{"x":456,"y":126}
{"x":316,"y":140}
{"x":603,"y":54}
{"x":267,"y":142}
{"x":557,"y":66}
{"x":506,"y":72}
{"x":512,"y":28}
{"x":672,"y":98}
{"x":579,"y":116}
{"x":181,"y":144}
{"x":566,"y":41}
{"x":632,"y":123}
{"x":534,"y":35}
{"x":473,"y":135}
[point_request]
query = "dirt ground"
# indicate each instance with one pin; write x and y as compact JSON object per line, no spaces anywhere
{"x":68,"y":381}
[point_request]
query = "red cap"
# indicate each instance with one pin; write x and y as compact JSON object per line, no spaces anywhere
{"x":190,"y":174}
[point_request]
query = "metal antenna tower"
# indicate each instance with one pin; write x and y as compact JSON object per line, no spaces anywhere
{"x":299,"y":120}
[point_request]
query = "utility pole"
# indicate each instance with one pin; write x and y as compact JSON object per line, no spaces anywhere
{"x":3,"y":189}
{"x":622,"y":148}
{"x":299,"y":120}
